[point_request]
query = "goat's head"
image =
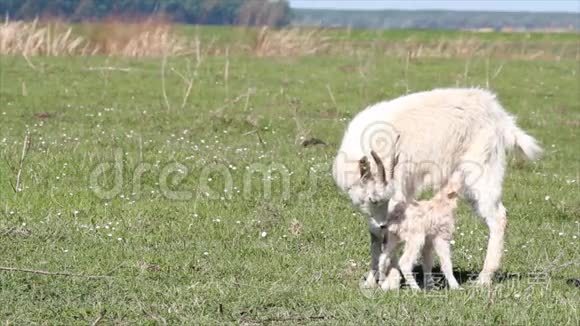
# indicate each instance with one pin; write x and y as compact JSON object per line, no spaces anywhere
{"x":375,"y":190}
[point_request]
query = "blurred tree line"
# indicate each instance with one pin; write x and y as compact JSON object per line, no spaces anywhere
{"x":434,"y":19}
{"x":245,"y":12}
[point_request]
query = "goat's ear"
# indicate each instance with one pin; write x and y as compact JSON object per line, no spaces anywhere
{"x":452,"y":195}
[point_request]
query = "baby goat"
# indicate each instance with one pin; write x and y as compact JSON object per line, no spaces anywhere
{"x":425,"y":226}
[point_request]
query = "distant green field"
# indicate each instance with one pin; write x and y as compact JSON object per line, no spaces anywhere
{"x":120,"y":181}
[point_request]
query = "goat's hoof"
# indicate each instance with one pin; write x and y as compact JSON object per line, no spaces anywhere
{"x":370,"y":281}
{"x":482,"y":282}
{"x":391,"y":283}
{"x":388,"y":286}
{"x":455,"y":288}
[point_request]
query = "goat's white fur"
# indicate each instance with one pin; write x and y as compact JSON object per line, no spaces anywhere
{"x":425,"y":226}
{"x":441,"y":131}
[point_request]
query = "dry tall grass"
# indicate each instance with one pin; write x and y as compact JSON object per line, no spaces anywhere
{"x":149,"y":38}
{"x":31,"y":38}
{"x":467,"y":47}
{"x":156,"y":37}
{"x":146,"y":39}
{"x":289,"y":42}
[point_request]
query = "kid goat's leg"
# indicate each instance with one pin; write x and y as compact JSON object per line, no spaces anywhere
{"x":409,"y":257}
{"x":444,"y":252}
{"x":428,"y":264}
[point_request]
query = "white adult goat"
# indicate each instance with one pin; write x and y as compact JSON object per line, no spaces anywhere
{"x":441,"y":131}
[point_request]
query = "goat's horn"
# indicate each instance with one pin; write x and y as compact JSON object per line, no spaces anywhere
{"x":365,"y":168}
{"x":395,"y":158}
{"x":380,"y":167}
{"x":394,"y":163}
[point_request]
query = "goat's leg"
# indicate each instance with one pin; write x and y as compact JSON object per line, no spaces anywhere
{"x":389,"y":277}
{"x":496,"y":220}
{"x":376,"y":249}
{"x":408,"y":258}
{"x":487,"y":204}
{"x":428,"y":264}
{"x":444,"y":252}
{"x":483,"y":189}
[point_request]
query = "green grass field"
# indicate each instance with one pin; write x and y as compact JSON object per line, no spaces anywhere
{"x":103,"y":175}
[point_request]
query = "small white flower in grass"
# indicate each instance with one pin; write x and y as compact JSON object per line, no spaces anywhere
{"x":341,"y":244}
{"x":110,"y":234}
{"x":561,"y":233}
{"x":263,"y":234}
{"x":66,"y":250}
{"x":206,"y":253}
{"x":217,"y":220}
{"x":238,"y":222}
{"x":119,"y":239}
{"x":452,"y":242}
{"x":195,"y":215}
{"x":574,"y":237}
{"x":517,"y":295}
{"x":547,"y":198}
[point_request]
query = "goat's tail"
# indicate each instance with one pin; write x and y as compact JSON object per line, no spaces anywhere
{"x":525,"y":145}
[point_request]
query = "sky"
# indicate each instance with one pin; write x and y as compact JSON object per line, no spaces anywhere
{"x":462,"y":5}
